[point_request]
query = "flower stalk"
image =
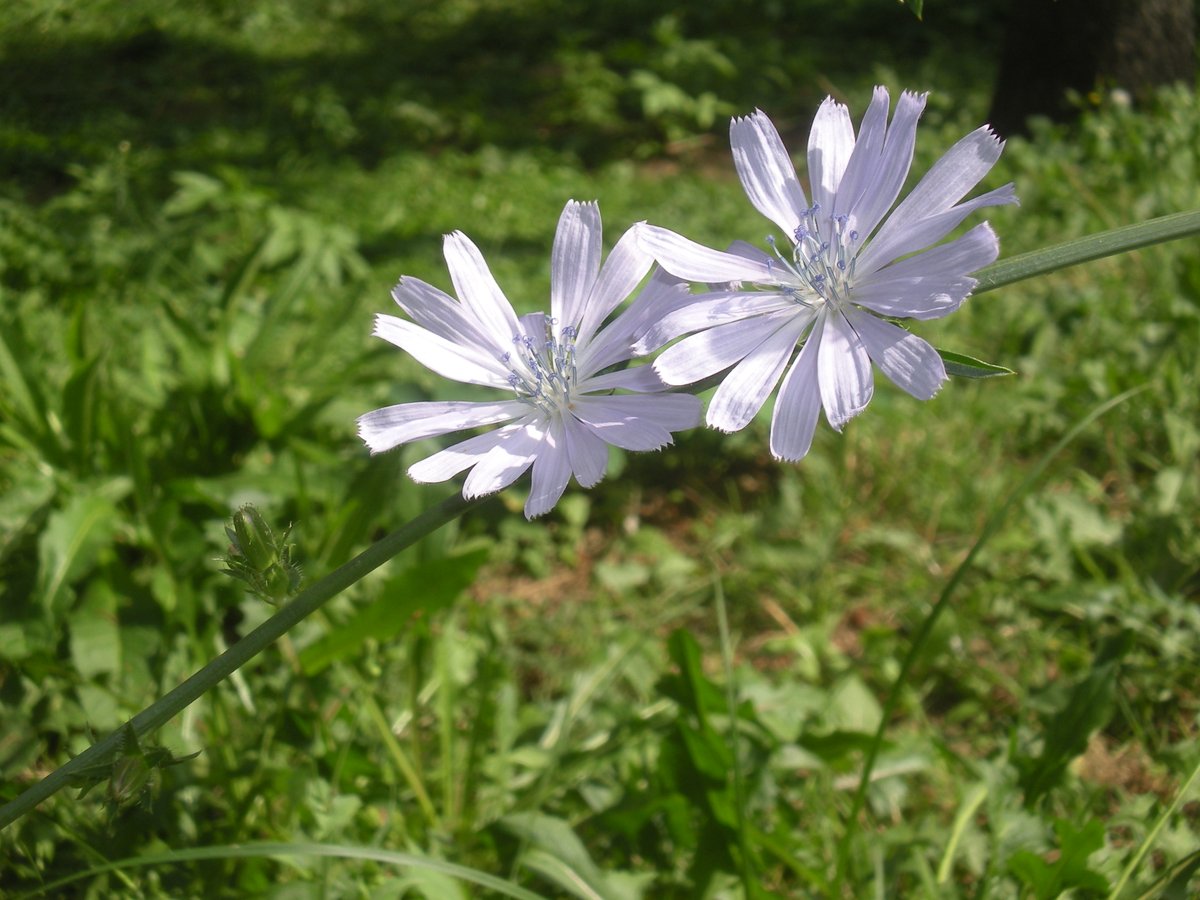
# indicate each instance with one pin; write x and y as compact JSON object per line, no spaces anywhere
{"x":306,"y":602}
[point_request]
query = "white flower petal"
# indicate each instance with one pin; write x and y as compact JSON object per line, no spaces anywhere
{"x":710,"y":310}
{"x":641,"y":379}
{"x":621,"y":273}
{"x":449,"y":462}
{"x":477,"y":289}
{"x":574,"y":262}
{"x":891,"y":168}
{"x":636,"y":423}
{"x":912,"y":363}
{"x":506,"y":462}
{"x":551,"y":472}
{"x":766,"y":171}
{"x":747,"y":386}
{"x":830,"y":143}
{"x":890,"y":244}
{"x":701,"y":355}
{"x":844,"y":371}
{"x":462,"y":362}
{"x":588,"y":454}
{"x":798,"y":404}
{"x":439,"y":312}
{"x":391,"y":426}
{"x":931,"y":284}
{"x":864,"y":160}
{"x":695,"y":262}
{"x":662,"y":295}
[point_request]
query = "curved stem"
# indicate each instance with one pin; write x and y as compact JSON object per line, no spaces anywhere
{"x":306,"y":602}
{"x":991,"y":526}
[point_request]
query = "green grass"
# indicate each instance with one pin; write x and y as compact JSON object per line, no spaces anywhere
{"x":204,"y":206}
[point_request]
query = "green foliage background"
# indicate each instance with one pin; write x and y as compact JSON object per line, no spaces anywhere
{"x":202,"y":205}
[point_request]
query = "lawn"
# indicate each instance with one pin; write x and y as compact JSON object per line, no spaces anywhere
{"x":668,"y":686}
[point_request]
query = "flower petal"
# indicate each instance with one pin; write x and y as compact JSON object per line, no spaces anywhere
{"x":844,"y":371}
{"x":574,"y":262}
{"x":747,"y":386}
{"x":621,"y":273}
{"x":710,"y":310}
{"x":551,"y":472}
{"x":506,"y":462}
{"x":906,"y":359}
{"x":449,"y":462}
{"x":695,"y":262}
{"x":662,"y":295}
{"x":440,"y":313}
{"x":462,"y":362}
{"x":931,"y":284}
{"x":640,"y":422}
{"x":704,"y":354}
{"x":864,"y":160}
{"x":588,"y":454}
{"x":477,"y":289}
{"x":641,"y":379}
{"x":830,"y":143}
{"x":890,"y":244}
{"x":766,"y":171}
{"x":891,"y":168}
{"x":391,"y":426}
{"x":798,"y":403}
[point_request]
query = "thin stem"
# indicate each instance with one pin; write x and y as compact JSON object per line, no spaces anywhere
{"x":1152,"y":835}
{"x":306,"y":602}
{"x":749,"y":880}
{"x":1085,"y":249}
{"x":991,"y":526}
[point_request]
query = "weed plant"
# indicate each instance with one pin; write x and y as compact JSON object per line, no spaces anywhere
{"x":205,"y":203}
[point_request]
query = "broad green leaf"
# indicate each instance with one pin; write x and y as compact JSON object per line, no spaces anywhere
{"x":1086,"y":709}
{"x":72,"y":541}
{"x":95,"y":635}
{"x":1070,"y":869}
{"x":424,"y":588}
{"x":968,"y":367}
{"x":558,"y":854}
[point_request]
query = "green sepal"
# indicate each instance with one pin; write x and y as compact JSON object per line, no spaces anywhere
{"x":968,"y":367}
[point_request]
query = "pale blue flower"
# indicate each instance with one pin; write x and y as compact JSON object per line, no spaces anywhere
{"x":559,"y":413}
{"x":845,"y":267}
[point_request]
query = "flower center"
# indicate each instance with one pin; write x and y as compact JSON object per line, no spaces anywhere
{"x":822,"y":263}
{"x":543,"y":373}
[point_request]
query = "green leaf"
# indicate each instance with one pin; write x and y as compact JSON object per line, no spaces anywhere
{"x":918,"y":6}
{"x":968,"y":367}
{"x":558,"y":854}
{"x":95,"y":635}
{"x":1070,"y":870}
{"x":74,"y":538}
{"x":426,"y":588}
{"x":1069,"y":727}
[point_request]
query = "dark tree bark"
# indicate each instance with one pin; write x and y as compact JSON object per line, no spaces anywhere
{"x":1055,"y":46}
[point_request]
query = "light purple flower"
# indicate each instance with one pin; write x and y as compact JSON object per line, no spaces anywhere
{"x":846,"y":268}
{"x":559,"y":413}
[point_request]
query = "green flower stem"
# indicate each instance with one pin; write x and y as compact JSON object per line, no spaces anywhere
{"x":306,"y":602}
{"x":990,"y":527}
{"x":1084,"y":249}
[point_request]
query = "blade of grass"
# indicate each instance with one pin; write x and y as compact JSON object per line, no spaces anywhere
{"x":1152,"y":834}
{"x":991,"y":526}
{"x":749,"y":878}
{"x":339,"y":851}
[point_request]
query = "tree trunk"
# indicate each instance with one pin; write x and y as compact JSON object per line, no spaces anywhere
{"x":1052,"y":47}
